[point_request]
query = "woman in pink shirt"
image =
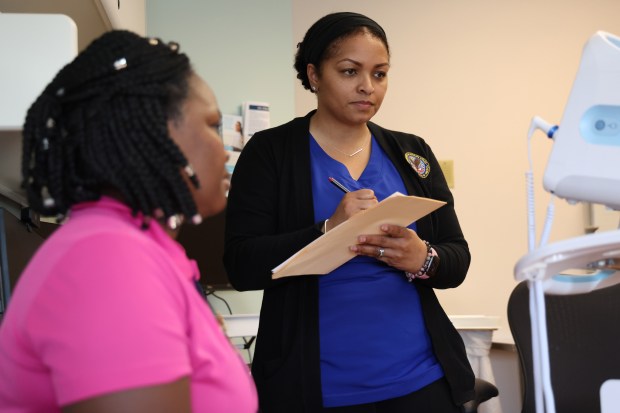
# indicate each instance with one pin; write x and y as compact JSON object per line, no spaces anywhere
{"x":121,"y":146}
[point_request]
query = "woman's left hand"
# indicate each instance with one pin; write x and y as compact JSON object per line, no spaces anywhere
{"x":399,"y":247}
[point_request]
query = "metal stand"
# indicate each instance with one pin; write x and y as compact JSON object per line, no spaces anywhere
{"x":548,"y":271}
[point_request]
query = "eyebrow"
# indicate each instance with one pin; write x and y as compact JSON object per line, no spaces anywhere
{"x":355,"y":62}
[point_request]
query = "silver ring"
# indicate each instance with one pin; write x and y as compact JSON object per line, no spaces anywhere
{"x":381,"y":252}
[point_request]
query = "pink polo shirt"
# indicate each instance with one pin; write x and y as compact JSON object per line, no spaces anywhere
{"x":105,"y":306}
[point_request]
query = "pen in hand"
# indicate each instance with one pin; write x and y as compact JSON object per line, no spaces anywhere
{"x":338,"y":185}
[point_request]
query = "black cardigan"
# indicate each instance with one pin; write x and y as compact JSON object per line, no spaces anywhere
{"x":270,"y":216}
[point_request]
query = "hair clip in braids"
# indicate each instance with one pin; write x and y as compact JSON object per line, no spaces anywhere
{"x":175,"y":221}
{"x":120,"y":64}
{"x":154,"y":41}
{"x":50,"y":123}
{"x":192,"y":175}
{"x":45,"y":143}
{"x":48,"y":201}
{"x":60,"y":92}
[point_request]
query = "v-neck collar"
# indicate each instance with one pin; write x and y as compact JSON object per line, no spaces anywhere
{"x":372,"y":170}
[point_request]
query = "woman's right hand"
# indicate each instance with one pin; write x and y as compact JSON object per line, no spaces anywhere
{"x":350,"y":204}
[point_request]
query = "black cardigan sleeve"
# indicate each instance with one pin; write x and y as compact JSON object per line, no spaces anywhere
{"x":261,"y":206}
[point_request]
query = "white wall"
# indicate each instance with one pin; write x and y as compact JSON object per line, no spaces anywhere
{"x":240,"y":47}
{"x":468,"y":77}
{"x":243,"y":50}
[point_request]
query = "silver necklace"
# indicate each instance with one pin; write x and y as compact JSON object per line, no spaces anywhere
{"x":347,"y":154}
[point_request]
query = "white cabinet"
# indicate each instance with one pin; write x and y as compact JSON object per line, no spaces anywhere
{"x":124,"y":14}
{"x":37,"y":38}
{"x":34,"y":47}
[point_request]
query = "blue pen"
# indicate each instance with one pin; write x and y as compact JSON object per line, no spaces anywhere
{"x":338,"y":185}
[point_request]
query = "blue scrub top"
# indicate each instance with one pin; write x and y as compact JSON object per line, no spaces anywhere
{"x":374,"y":344}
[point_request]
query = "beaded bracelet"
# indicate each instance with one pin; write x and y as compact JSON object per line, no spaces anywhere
{"x":422,"y":272}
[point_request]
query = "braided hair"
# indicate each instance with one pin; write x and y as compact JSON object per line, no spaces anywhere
{"x":101,"y":124}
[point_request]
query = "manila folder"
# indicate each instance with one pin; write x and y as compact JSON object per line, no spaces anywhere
{"x":331,"y":250}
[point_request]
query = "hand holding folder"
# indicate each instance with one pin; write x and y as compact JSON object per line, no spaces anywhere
{"x":331,"y":250}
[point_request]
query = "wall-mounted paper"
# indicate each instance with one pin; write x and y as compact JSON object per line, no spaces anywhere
{"x":232,"y":137}
{"x":255,"y":118}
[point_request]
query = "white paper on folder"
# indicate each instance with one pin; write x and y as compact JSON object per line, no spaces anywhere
{"x":331,"y":250}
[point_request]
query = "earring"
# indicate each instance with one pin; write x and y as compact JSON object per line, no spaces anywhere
{"x":314,"y":89}
{"x":192,"y":175}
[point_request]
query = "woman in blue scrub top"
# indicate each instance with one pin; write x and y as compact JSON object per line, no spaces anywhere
{"x":371,"y":335}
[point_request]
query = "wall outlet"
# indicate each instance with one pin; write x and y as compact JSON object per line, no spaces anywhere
{"x":448,"y":170}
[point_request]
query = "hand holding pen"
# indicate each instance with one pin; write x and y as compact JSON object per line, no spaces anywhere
{"x":351,"y":203}
{"x":397,"y":246}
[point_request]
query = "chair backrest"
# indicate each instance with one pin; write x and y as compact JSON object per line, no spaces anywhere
{"x":484,"y":391}
{"x":584,"y":338}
